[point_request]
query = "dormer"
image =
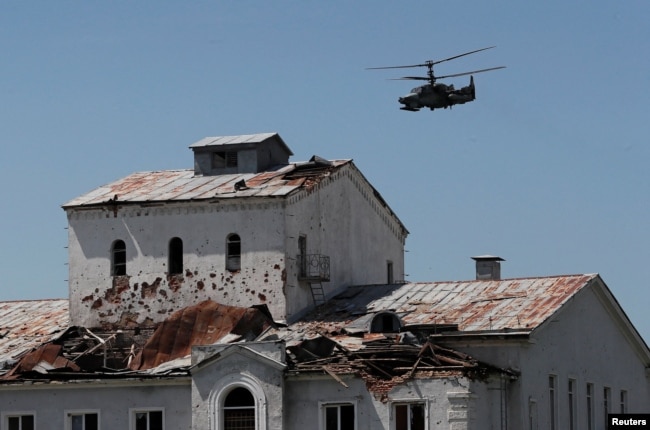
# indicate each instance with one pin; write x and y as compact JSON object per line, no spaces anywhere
{"x":250,"y":153}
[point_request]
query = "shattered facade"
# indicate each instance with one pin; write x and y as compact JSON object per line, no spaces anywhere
{"x":254,"y":293}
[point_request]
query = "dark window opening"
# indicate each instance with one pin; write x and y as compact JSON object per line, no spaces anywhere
{"x":385,"y":322}
{"x":118,"y":258}
{"x":389,"y":272}
{"x":239,"y":410}
{"x":175,"y":256}
{"x":84,"y":422}
{"x":339,"y":417}
{"x":302,"y":252}
{"x":409,"y":417}
{"x":222,"y":159}
{"x":23,"y":422}
{"x":149,"y":420}
{"x":233,"y":253}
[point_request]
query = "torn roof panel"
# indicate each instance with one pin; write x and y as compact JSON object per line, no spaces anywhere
{"x":27,"y":324}
{"x":203,"y":324}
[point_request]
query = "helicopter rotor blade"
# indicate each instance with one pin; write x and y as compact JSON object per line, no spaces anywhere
{"x":430,"y":63}
{"x":416,"y":78}
{"x":462,"y":55}
{"x":397,"y":67}
{"x":470,"y":73}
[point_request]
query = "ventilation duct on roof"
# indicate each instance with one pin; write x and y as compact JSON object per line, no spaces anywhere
{"x":488,"y":267}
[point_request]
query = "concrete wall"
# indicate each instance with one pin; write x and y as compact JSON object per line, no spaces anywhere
{"x":112,"y":400}
{"x":583,"y":342}
{"x":451,"y":402}
{"x":148,"y":294}
{"x":343,"y":219}
{"x":257,"y":367}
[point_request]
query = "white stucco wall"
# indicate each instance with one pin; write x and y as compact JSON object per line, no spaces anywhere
{"x":149,"y":294}
{"x":340,"y":217}
{"x":584,"y":342}
{"x":258,"y":367}
{"x":451,"y":402}
{"x":111,"y":400}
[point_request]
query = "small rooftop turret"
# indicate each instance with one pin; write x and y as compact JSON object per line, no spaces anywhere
{"x":250,"y":153}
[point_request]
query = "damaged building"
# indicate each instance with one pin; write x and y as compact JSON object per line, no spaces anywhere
{"x":251,"y":292}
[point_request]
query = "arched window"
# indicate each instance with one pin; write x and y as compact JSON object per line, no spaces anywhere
{"x":175,"y":256}
{"x":118,"y":258}
{"x":239,"y":410}
{"x":385,"y":322}
{"x":233,"y":252}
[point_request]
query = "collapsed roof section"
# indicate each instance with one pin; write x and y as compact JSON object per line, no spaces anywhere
{"x":381,"y":359}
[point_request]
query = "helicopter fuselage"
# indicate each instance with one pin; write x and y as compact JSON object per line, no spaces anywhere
{"x":437,"y":96}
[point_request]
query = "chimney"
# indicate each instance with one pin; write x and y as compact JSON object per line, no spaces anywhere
{"x":488,"y":267}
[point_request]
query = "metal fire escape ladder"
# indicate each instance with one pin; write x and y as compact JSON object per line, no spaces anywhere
{"x":317,"y":293}
{"x":314,"y":269}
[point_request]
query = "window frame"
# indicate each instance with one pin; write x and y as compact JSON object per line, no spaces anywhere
{"x":134,"y":411}
{"x":69,"y":413}
{"x":118,"y":268}
{"x":175,"y":263}
{"x":224,"y":386}
{"x":572,"y":403}
{"x":623,"y":401}
{"x":322,"y":411}
{"x":553,"y":403}
{"x":607,"y":402}
{"x":408,"y":402}
{"x":233,"y":260}
{"x":4,"y":424}
{"x":590,"y":406}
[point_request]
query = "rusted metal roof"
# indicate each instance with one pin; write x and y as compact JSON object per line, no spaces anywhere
{"x":27,"y":324}
{"x":184,"y":185}
{"x":515,"y":305}
{"x":203,"y":324}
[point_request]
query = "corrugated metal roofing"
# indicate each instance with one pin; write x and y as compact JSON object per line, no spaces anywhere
{"x":509,"y":304}
{"x":183,"y":185}
{"x":232,"y":140}
{"x":27,"y":324}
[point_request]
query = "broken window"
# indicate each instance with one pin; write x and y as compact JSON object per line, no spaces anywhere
{"x":233,"y":252}
{"x":221,"y":159}
{"x":239,"y":410}
{"x":175,"y":256}
{"x":19,"y":422}
{"x":339,"y":417}
{"x":409,"y":416}
{"x":82,"y":421}
{"x":148,"y":420}
{"x":118,"y":258}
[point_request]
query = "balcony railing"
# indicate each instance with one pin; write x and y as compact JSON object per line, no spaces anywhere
{"x":313,"y":267}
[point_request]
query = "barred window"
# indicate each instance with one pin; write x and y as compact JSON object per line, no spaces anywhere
{"x":239,"y":410}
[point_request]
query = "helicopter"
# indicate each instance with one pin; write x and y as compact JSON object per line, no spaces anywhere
{"x":435,"y":95}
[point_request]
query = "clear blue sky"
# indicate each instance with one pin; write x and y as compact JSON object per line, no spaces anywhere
{"x":548,"y":168}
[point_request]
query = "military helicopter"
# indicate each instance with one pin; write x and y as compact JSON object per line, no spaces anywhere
{"x":437,"y":95}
